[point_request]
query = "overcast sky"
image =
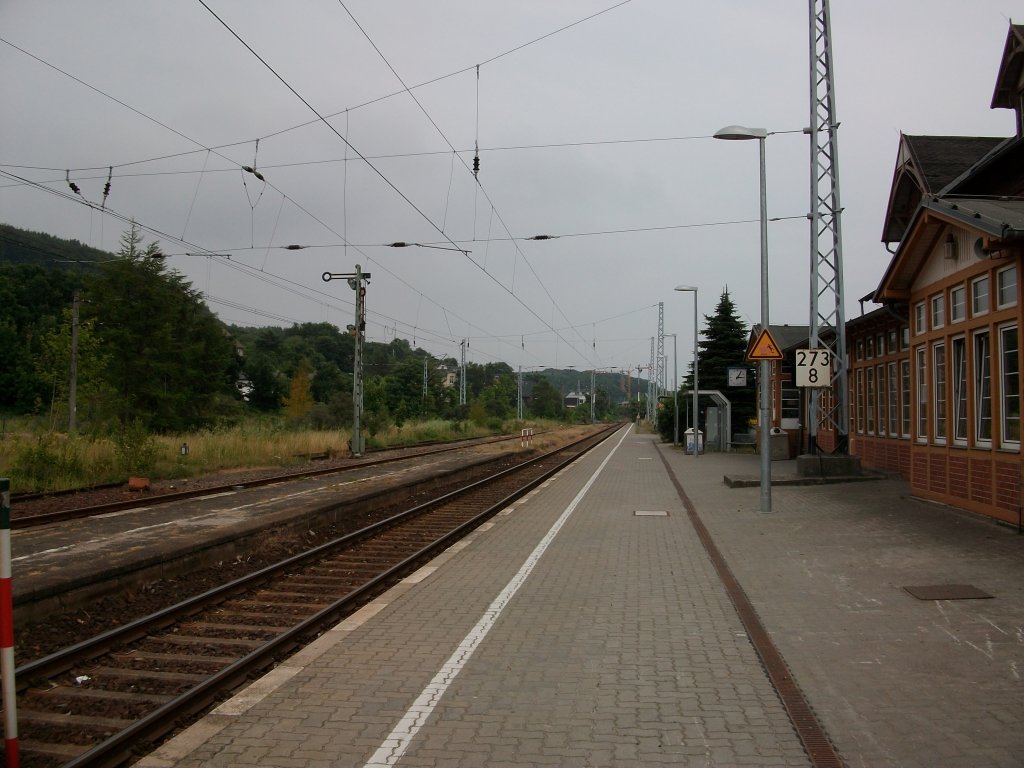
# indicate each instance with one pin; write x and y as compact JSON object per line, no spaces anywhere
{"x":597,"y":132}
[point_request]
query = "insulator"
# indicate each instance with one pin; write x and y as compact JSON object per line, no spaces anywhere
{"x":476,"y":165}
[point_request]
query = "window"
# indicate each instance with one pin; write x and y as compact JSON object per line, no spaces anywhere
{"x":982,"y":389}
{"x":919,"y":327}
{"x":871,"y":347}
{"x":922,"y":394}
{"x":938,"y":311}
{"x":959,"y":372}
{"x":860,"y":349}
{"x":905,"y":397}
{"x":790,"y":403}
{"x":939,"y":388}
{"x":892,"y":342}
{"x":880,"y":346}
{"x":957,"y":304}
{"x":881,"y":399}
{"x":905,"y":338}
{"x":894,"y":399}
{"x":1009,"y":354}
{"x":869,"y":398}
{"x":1006,"y":287}
{"x":979,"y":296}
{"x":860,"y":401}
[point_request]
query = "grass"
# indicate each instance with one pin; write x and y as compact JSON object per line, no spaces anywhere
{"x":47,"y":461}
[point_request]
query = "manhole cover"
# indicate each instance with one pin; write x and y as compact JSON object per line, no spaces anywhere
{"x":650,"y":513}
{"x":948,"y":592}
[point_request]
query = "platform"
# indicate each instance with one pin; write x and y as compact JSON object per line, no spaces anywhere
{"x":586,"y":626}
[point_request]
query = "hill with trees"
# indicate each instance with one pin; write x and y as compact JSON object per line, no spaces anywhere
{"x":147,"y":352}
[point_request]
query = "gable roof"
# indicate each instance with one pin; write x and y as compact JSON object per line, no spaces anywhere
{"x":994,"y":221}
{"x":1009,"y":77}
{"x":926,"y":165}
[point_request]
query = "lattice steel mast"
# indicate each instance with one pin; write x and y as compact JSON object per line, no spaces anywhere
{"x":659,"y":356}
{"x":827,"y":313}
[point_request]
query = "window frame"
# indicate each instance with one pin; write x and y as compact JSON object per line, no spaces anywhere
{"x":893,"y":389}
{"x":921,"y":359}
{"x":981,"y":371}
{"x":1006,"y":301}
{"x":940,"y":382}
{"x":1009,"y":390}
{"x":905,"y":393}
{"x":958,"y":374}
{"x":920,"y":318}
{"x":957,"y":309}
{"x":978,"y":298}
{"x":937,"y":311}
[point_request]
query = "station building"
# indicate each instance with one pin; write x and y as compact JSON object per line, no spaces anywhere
{"x":935,"y":369}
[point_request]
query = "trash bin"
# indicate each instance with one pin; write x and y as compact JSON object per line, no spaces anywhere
{"x":688,"y":440}
{"x":779,"y":440}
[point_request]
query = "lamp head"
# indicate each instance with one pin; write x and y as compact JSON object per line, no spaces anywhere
{"x":686,"y":288}
{"x":740,"y":133}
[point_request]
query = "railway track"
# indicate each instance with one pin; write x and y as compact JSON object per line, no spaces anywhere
{"x":113,"y":697}
{"x":22,"y":520}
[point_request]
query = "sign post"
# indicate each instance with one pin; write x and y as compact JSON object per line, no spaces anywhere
{"x":813,"y":367}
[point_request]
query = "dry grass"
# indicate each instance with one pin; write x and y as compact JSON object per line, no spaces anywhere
{"x":50,"y":461}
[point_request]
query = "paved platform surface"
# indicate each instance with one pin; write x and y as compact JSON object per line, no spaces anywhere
{"x":572,"y":631}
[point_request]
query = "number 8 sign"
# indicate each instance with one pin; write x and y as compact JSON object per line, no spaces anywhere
{"x":813,"y":368}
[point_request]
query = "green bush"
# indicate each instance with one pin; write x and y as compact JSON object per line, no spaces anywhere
{"x":47,"y":464}
{"x":136,"y":450}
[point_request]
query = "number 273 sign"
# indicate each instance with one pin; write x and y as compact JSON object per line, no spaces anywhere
{"x":813,"y":367}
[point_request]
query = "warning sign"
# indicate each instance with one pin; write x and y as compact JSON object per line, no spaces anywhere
{"x":764,"y":347}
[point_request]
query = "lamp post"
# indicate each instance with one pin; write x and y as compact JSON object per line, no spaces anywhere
{"x":740,"y":133}
{"x":696,"y":380}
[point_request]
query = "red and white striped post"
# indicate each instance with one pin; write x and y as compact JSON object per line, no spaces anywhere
{"x":7,"y":629}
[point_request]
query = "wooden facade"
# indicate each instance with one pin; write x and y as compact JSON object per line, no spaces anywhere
{"x":935,"y":373}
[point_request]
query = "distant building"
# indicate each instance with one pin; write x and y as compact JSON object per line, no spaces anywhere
{"x":574,"y":399}
{"x":448,"y":377}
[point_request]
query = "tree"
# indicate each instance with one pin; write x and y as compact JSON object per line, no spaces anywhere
{"x":545,"y":400}
{"x":171,"y":364}
{"x":299,"y":401}
{"x":722,"y":345}
{"x":54,"y":364}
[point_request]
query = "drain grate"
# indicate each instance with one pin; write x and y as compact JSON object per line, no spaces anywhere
{"x":650,"y":513}
{"x":948,"y":592}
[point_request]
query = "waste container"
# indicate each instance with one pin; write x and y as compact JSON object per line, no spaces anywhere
{"x":688,"y":440}
{"x":779,"y":440}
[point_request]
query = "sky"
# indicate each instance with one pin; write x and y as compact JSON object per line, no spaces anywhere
{"x":592,"y":121}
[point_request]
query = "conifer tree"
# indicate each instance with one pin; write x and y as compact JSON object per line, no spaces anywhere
{"x":723,"y":344}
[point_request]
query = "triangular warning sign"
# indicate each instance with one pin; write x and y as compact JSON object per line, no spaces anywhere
{"x":764,"y":348}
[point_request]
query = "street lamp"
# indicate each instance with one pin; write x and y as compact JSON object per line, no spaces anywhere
{"x":740,"y":133}
{"x":696,"y":380}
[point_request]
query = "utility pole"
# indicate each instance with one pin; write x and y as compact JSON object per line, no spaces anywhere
{"x":593,"y":384}
{"x":424,"y":379}
{"x":358,"y":332}
{"x":462,"y":373}
{"x":652,"y":392}
{"x":660,"y":373}
{"x":519,"y":396}
{"x":76,"y":300}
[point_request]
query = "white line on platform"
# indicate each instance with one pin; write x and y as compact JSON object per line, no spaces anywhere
{"x":397,"y":742}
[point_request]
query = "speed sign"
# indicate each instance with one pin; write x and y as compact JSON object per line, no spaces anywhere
{"x":813,"y":367}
